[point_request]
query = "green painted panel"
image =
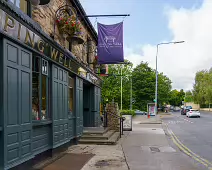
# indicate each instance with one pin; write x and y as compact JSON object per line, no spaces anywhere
{"x":60,"y":106}
{"x":79,"y":106}
{"x":17,"y":104}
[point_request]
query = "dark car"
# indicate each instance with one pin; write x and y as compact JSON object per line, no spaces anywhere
{"x":185,"y":110}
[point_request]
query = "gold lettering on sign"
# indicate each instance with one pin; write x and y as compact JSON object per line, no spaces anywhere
{"x":28,"y":38}
{"x":65,"y":61}
{"x":54,"y":53}
{"x":40,"y":44}
{"x":61,"y":58}
{"x":9,"y":22}
{"x":19,"y":31}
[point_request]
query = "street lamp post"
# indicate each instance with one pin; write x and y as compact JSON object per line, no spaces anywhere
{"x":156,"y":71}
{"x":131,"y":92}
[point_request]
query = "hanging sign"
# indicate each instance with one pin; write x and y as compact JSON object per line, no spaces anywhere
{"x":110,"y":44}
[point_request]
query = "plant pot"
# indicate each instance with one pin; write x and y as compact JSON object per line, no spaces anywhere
{"x":39,"y":2}
{"x":35,"y":2}
{"x":44,"y":2}
{"x":75,"y":38}
{"x":102,"y":70}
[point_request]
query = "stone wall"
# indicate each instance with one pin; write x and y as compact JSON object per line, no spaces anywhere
{"x":193,"y":105}
{"x":112,"y":113}
{"x":45,"y":16}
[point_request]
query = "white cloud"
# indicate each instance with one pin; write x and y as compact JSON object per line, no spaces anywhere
{"x":180,"y":62}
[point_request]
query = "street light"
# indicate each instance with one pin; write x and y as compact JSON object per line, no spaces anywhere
{"x":126,"y":63}
{"x":156,"y":71}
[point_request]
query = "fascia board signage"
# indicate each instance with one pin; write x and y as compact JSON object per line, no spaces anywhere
{"x":82,"y":72}
{"x":15,"y":29}
{"x":127,"y":123}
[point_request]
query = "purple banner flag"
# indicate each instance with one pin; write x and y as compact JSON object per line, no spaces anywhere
{"x":110,"y":44}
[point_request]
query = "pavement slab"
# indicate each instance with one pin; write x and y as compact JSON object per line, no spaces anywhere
{"x":106,"y":157}
{"x":147,"y":148}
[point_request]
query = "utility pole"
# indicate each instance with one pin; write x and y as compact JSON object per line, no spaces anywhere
{"x":156,"y":71}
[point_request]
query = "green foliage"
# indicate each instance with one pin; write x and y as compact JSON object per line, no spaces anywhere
{"x":127,"y":112}
{"x":202,"y":89}
{"x":176,"y":97}
{"x":189,"y":96}
{"x":111,"y":88}
{"x":143,"y":86}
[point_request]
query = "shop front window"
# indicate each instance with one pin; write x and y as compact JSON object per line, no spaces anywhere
{"x":35,"y":88}
{"x":71,"y":95}
{"x":40,"y":89}
{"x":24,"y":5}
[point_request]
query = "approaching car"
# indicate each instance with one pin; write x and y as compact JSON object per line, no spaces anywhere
{"x":185,"y":110}
{"x":193,"y":113}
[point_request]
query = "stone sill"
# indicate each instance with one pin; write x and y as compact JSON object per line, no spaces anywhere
{"x":41,"y":123}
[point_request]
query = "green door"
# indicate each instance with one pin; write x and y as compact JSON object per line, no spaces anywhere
{"x":79,"y":106}
{"x":17,"y":104}
{"x":60,"y":106}
{"x":97,"y":100}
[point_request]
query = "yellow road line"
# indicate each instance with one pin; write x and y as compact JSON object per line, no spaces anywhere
{"x":191,"y":151}
{"x":188,"y":151}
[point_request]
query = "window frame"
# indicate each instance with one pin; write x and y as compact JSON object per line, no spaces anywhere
{"x":71,"y":114}
{"x":29,"y":7}
{"x":48,"y":115}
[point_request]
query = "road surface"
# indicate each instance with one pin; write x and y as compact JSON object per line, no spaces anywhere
{"x":194,"y":133}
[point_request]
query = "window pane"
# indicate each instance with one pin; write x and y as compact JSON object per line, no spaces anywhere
{"x":22,"y":4}
{"x":67,"y":44}
{"x":35,"y":96}
{"x":44,"y":98}
{"x":71,"y":95}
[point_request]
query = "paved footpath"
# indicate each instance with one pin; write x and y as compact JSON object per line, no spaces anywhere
{"x":148,"y":148}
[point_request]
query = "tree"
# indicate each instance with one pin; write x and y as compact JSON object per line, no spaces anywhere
{"x":164,"y":87}
{"x":202,"y":89}
{"x":189,"y":96}
{"x":176,"y":97}
{"x":111,"y":88}
{"x":144,"y":86}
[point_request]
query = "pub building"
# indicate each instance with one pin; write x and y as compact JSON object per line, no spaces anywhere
{"x":49,"y":88}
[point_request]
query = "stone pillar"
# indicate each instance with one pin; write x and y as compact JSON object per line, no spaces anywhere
{"x":112,"y":111}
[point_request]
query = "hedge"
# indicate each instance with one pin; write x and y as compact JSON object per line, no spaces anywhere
{"x":127,"y":112}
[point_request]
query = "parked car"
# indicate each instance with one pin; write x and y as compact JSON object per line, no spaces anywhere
{"x":193,"y":113}
{"x":185,"y":110}
{"x":138,"y":112}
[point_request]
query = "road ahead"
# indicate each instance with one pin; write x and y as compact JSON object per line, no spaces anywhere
{"x":194,"y":133}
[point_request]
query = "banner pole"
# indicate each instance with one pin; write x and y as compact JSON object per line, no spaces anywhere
{"x":121,"y":87}
{"x":116,"y":15}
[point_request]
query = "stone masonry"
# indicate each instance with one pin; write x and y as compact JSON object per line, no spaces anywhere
{"x":45,"y":16}
{"x":112,"y":113}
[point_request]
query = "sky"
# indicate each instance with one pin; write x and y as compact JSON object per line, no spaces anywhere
{"x":155,"y":21}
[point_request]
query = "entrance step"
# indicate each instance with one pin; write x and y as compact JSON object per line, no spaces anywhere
{"x":95,"y":131}
{"x":110,"y":138}
{"x":104,"y":136}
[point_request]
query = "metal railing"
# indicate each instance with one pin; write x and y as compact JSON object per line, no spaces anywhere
{"x":120,"y":118}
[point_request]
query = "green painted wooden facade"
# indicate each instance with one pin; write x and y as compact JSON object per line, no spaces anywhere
{"x":21,"y":138}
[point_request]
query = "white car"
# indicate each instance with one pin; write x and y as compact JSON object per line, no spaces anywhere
{"x":193,"y":113}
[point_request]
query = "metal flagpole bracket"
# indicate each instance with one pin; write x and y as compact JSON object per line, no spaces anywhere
{"x":116,"y":15}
